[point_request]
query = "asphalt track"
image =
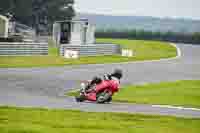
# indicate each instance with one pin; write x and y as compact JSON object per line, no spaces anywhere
{"x":44,"y":87}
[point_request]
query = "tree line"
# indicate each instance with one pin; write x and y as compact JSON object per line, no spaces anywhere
{"x":37,"y":12}
{"x":178,"y":37}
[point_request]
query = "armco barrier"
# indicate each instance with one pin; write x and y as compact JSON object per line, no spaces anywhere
{"x":92,"y":50}
{"x":22,"y":48}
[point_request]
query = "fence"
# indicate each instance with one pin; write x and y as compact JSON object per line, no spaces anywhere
{"x":28,"y":34}
{"x":92,"y":50}
{"x":21,"y":49}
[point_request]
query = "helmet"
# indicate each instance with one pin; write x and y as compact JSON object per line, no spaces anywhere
{"x":117,"y":73}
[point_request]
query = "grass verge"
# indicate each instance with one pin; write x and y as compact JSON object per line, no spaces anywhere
{"x":179,"y":93}
{"x":144,"y":50}
{"x":21,"y":120}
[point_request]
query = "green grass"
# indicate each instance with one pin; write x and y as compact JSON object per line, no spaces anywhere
{"x":52,"y":51}
{"x":179,"y":93}
{"x":20,"y":120}
{"x":144,"y":50}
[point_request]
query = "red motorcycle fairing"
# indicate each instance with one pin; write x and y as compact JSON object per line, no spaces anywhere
{"x":111,"y":86}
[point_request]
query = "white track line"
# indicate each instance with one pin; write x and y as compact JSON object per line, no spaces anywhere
{"x":175,"y":107}
{"x":179,"y":54}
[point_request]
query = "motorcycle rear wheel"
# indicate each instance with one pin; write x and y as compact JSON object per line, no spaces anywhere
{"x":104,"y":97}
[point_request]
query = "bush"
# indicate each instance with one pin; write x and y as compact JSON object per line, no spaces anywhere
{"x":193,"y":38}
{"x":16,"y":38}
{"x":6,"y":39}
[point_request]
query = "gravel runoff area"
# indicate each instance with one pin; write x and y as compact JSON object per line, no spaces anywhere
{"x":44,"y":87}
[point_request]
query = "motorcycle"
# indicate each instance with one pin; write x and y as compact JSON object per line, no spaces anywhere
{"x":101,"y":97}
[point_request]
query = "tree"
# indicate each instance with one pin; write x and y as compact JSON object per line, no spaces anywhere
{"x":35,"y":12}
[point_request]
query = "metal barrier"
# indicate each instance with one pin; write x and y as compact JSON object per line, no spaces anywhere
{"x":92,"y":50}
{"x":28,"y":33}
{"x":21,"y":49}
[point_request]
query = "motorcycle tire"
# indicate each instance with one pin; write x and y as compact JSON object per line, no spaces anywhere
{"x":104,"y":97}
{"x":80,"y":98}
{"x":101,"y":100}
{"x":109,"y":99}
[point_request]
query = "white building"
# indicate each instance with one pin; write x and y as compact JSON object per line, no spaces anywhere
{"x":4,"y":25}
{"x":75,"y":32}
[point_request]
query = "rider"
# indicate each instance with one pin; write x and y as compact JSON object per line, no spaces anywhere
{"x":110,"y":82}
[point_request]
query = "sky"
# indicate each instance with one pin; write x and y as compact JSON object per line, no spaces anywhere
{"x":156,"y":8}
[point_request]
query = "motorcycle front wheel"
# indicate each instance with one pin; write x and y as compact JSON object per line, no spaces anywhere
{"x":80,"y":98}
